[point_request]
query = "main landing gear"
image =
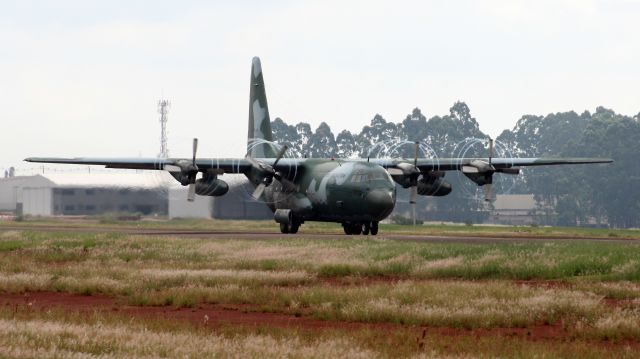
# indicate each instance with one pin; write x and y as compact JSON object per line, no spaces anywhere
{"x":290,"y":227}
{"x":361,"y":228}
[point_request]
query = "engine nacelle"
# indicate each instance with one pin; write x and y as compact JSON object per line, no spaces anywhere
{"x":211,"y":187}
{"x":406,"y":171}
{"x":480,"y":179}
{"x":433,"y":187}
{"x":180,"y":177}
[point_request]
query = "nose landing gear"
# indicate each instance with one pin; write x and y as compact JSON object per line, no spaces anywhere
{"x":365,"y":228}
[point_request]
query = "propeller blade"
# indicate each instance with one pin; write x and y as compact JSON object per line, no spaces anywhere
{"x":415,"y":157}
{"x":257,"y":193}
{"x":490,"y":149}
{"x":280,"y":154}
{"x":191,"y":195}
{"x":195,"y":150}
{"x":414,"y":194}
{"x":488,"y":189}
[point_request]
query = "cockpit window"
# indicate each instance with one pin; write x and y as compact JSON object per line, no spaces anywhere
{"x":372,"y":176}
{"x":357,"y":178}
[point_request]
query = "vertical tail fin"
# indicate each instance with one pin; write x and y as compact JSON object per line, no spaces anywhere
{"x":260,"y":134}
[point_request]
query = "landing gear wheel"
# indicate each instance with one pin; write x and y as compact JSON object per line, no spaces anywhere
{"x":374,"y":228}
{"x":356,"y":228}
{"x":284,"y":228}
{"x":366,"y":228}
{"x":347,"y":228}
{"x":293,"y":228}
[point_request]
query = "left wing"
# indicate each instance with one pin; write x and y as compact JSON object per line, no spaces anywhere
{"x":452,"y":164}
{"x":427,"y":173}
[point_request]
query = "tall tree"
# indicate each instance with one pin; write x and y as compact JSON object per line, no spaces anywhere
{"x":574,"y":195}
{"x":322,"y":143}
{"x":304,"y":133}
{"x":373,"y":139}
{"x":414,"y":127}
{"x":346,"y":145}
{"x":286,"y":135}
{"x":612,"y":190}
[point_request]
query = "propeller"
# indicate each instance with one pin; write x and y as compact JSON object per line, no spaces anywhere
{"x":488,"y":188}
{"x":414,"y":183}
{"x":269,"y":173}
{"x":481,"y":172}
{"x":192,"y":172}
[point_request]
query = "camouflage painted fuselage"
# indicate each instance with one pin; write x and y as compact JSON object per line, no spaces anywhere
{"x":334,"y":191}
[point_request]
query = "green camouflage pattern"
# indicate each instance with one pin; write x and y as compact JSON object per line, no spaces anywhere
{"x":259,"y":132}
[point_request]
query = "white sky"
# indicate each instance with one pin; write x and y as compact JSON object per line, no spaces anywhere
{"x":82,"y":78}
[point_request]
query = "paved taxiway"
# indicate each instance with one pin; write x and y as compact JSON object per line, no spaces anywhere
{"x":275,"y":235}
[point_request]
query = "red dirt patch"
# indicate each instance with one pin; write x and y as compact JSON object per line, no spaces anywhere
{"x":214,"y":316}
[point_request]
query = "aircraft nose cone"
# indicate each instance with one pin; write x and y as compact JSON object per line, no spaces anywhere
{"x":379,"y":204}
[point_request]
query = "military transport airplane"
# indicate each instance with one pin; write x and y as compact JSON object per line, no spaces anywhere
{"x":354,"y":192}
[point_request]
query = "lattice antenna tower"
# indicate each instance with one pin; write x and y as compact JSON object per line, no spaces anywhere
{"x":163,"y":110}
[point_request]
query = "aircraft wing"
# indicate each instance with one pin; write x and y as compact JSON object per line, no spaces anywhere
{"x":221,"y":165}
{"x":452,"y":164}
{"x":240,"y":165}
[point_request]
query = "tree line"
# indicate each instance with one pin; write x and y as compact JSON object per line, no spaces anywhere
{"x":602,"y":195}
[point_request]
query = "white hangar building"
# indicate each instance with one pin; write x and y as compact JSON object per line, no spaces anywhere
{"x":54,"y":194}
{"x":141,"y":192}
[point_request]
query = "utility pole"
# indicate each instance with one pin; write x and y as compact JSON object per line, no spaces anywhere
{"x":163,"y":109}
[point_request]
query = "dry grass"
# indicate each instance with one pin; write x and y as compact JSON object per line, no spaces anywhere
{"x":28,"y":333}
{"x":363,"y":280}
{"x":46,"y":338}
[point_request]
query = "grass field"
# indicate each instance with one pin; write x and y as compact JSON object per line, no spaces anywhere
{"x":359,"y":296}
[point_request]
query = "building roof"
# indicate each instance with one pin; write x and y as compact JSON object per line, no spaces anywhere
{"x":116,"y":179}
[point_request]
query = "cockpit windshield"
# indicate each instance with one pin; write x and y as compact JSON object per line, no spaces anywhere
{"x":370,"y":176}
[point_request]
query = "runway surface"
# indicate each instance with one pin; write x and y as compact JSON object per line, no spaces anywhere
{"x":254,"y":235}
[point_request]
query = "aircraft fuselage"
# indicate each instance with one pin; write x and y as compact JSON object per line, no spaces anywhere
{"x":334,"y":191}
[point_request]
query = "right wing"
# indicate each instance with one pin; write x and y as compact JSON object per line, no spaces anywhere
{"x":219,"y":165}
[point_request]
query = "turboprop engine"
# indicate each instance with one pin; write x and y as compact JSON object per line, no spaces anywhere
{"x":481,"y":172}
{"x":428,"y":183}
{"x":433,"y":186}
{"x":211,"y":187}
{"x":186,"y":172}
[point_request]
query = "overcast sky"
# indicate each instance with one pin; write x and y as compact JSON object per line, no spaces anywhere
{"x":82,"y":78}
